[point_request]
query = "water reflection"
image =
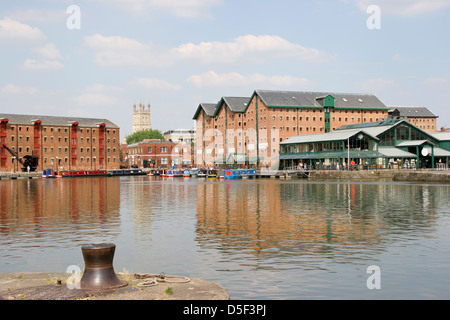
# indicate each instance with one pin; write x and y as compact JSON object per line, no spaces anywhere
{"x":329,"y":220}
{"x":261,"y":239}
{"x":47,"y":213}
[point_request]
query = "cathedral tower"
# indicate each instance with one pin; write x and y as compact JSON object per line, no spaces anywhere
{"x":142,"y":119}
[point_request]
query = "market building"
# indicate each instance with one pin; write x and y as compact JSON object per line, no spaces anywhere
{"x":69,"y":143}
{"x":390,"y":143}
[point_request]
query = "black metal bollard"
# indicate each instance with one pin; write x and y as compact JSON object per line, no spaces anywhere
{"x":99,"y":273}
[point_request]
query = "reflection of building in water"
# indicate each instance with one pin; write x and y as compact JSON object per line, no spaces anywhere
{"x":153,"y":197}
{"x":302,"y":216}
{"x":58,"y":202}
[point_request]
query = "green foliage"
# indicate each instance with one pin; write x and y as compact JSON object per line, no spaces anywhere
{"x":139,"y":136}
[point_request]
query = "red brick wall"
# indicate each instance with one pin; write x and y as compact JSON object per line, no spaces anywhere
{"x":55,"y":147}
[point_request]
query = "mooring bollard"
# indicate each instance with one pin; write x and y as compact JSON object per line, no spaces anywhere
{"x":99,"y":274}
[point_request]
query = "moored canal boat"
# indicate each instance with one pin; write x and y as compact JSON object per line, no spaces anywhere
{"x":49,"y":174}
{"x":202,"y":173}
{"x":212,"y":173}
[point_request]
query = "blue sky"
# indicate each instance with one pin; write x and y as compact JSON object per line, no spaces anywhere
{"x":177,"y":54}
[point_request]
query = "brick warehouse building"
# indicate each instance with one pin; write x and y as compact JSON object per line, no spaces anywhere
{"x":249,"y":130}
{"x":160,"y":153}
{"x":69,"y":142}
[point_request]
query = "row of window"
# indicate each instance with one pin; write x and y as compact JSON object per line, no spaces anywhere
{"x":162,"y":150}
{"x":307,"y":119}
{"x":60,"y":150}
{"x":66,"y":161}
{"x":53,"y":129}
{"x":27,"y":139}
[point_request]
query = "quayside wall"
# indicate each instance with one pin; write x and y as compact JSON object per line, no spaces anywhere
{"x":389,"y":175}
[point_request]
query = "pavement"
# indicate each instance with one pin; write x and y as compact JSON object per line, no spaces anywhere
{"x":54,"y":286}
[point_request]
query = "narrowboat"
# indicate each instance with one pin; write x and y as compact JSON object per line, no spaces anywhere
{"x":126,"y":172}
{"x":49,"y":174}
{"x":212,"y":174}
{"x":82,"y":173}
{"x":174,"y":173}
{"x":202,"y":173}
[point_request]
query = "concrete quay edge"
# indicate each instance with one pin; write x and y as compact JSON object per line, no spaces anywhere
{"x":44,"y":286}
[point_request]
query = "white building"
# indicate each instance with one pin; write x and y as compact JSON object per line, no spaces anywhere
{"x":180,"y":135}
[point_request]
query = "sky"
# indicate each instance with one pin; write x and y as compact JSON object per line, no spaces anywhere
{"x":97,"y":58}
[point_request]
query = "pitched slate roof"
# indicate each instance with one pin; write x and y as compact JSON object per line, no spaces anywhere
{"x":297,"y":99}
{"x":209,"y":108}
{"x":236,"y":104}
{"x":413,"y":111}
{"x":22,"y":119}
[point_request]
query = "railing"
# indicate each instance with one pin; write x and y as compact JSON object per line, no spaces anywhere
{"x":439,"y":167}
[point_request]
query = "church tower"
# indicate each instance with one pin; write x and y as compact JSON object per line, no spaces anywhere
{"x":141,"y":117}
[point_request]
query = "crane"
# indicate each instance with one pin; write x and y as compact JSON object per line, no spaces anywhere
{"x":28,"y":160}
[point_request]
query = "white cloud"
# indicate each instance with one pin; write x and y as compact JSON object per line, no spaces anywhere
{"x":48,"y":51}
{"x":15,"y":32}
{"x":38,"y":15}
{"x":378,"y":85}
{"x":211,"y":78}
{"x":397,"y":58}
{"x":437,"y":82}
{"x":103,"y":88}
{"x":250,"y":47}
{"x":181,"y":8}
{"x":152,"y":83}
{"x":14,"y":89}
{"x":116,"y":51}
{"x":95,"y":99}
{"x":42,"y":65}
{"x":404,"y":7}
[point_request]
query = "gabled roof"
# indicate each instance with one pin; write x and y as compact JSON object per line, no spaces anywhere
{"x":377,"y":128}
{"x":235,"y":104}
{"x":413,"y":111}
{"x":329,"y":136}
{"x":209,"y":108}
{"x":415,"y":143}
{"x":441,"y":136}
{"x":22,"y":119}
{"x":297,"y":99}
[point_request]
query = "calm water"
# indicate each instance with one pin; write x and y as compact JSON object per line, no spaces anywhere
{"x":260,"y":239}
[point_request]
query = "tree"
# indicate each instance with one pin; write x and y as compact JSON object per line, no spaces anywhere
{"x":139,"y":136}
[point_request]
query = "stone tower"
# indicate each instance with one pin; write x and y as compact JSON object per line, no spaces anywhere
{"x":142,"y":119}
